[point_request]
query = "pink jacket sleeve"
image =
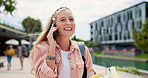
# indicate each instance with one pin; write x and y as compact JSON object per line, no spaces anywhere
{"x":88,"y":62}
{"x":40,"y":66}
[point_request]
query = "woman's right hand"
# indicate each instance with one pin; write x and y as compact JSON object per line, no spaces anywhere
{"x":51,"y":41}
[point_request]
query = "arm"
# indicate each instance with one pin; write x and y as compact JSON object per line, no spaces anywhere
{"x":5,"y":52}
{"x":51,"y":63}
{"x":51,"y":42}
{"x":88,"y":63}
{"x":40,"y":65}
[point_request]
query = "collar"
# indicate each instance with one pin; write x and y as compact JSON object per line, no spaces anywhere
{"x":73,"y":46}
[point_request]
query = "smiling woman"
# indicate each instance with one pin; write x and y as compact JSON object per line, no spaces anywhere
{"x":54,"y":54}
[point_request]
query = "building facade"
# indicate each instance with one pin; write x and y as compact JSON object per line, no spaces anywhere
{"x":115,"y":31}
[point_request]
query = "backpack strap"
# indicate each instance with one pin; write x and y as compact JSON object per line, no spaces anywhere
{"x":82,"y":50}
{"x":81,"y":47}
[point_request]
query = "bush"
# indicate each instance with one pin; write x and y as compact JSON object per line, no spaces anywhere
{"x":129,"y":69}
{"x":96,"y":53}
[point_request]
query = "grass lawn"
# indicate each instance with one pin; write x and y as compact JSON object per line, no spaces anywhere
{"x":96,"y":53}
{"x":142,"y":56}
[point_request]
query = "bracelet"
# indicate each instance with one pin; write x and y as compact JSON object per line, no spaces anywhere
{"x":50,"y":57}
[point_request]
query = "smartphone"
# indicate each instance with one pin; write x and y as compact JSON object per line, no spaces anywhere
{"x":55,"y":33}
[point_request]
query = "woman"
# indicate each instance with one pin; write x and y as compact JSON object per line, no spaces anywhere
{"x":55,"y":55}
{"x":9,"y":52}
{"x":20,"y":50}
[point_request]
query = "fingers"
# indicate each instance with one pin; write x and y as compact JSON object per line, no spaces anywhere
{"x":52,"y":29}
{"x":49,"y":36}
{"x":52,"y":25}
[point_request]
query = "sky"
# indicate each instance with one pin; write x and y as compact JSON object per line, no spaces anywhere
{"x":84,"y":11}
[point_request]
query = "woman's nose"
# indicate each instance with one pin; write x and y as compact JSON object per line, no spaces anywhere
{"x":68,"y":22}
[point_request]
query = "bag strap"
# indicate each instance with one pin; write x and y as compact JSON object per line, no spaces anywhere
{"x":81,"y":47}
{"x":82,"y":50}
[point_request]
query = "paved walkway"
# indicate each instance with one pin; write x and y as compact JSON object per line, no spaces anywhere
{"x":15,"y":71}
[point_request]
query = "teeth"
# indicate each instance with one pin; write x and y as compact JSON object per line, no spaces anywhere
{"x":67,"y":29}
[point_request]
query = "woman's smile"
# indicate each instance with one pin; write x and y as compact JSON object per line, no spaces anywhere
{"x":68,"y":29}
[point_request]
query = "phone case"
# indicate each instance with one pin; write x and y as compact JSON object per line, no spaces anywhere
{"x":54,"y":33}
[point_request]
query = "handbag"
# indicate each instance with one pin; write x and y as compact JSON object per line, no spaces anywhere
{"x":24,"y":51}
{"x":25,"y":54}
{"x":109,"y":73}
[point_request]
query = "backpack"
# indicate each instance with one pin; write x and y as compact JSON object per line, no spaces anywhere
{"x":82,"y":50}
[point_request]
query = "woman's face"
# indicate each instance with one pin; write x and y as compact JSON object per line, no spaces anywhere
{"x":65,"y":23}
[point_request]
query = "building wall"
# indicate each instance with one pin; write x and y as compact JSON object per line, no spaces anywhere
{"x":117,"y":27}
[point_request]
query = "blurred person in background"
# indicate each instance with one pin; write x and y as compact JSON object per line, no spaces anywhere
{"x":21,"y":52}
{"x":9,"y":53}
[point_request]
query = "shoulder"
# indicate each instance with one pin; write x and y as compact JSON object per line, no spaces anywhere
{"x":43,"y":45}
{"x":73,"y":42}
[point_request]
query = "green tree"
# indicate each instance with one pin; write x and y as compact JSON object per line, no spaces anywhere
{"x":141,"y":37}
{"x":31,"y":25}
{"x":7,"y":6}
{"x":88,"y":43}
{"x":79,"y":40}
{"x":92,"y":44}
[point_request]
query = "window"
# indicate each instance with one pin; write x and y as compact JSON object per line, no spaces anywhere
{"x":124,"y":17}
{"x":124,"y":36}
{"x":116,"y":36}
{"x":128,"y":35}
{"x":140,"y":12}
{"x":118,"y":18}
{"x":111,"y":21}
{"x":133,"y":27}
{"x":127,"y":15}
{"x":110,"y":37}
{"x":136,"y":12}
{"x":130,"y":15}
{"x":91,"y":32}
{"x":107,"y":29}
{"x":91,"y":39}
{"x":146,"y":10}
{"x":96,"y":27}
{"x":102,"y":23}
{"x":91,"y":26}
{"x":115,"y":29}
{"x":120,"y":35}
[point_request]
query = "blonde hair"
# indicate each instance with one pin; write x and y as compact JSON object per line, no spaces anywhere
{"x":48,"y":26}
{"x":45,"y":31}
{"x":51,"y":21}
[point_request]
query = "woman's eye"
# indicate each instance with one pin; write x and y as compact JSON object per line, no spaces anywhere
{"x":71,"y":19}
{"x":62,"y":20}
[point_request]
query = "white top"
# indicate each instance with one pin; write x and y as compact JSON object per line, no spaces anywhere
{"x":65,"y":71}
